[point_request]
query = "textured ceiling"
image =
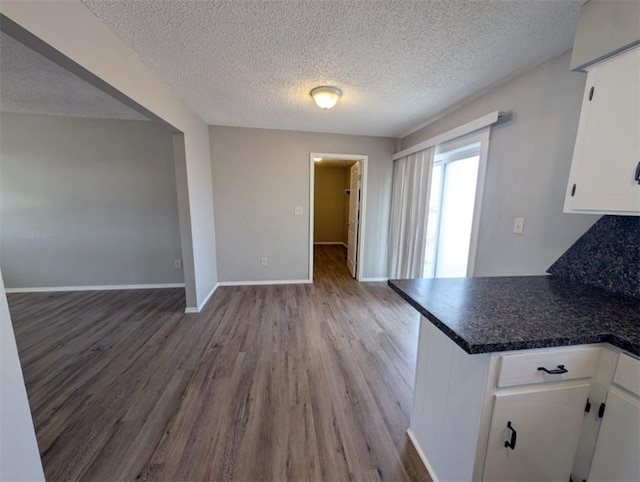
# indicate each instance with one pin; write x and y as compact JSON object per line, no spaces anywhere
{"x":31,"y":84}
{"x":252,"y":63}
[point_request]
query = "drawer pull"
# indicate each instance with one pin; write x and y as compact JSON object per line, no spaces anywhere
{"x":555,"y":371}
{"x":512,"y":443}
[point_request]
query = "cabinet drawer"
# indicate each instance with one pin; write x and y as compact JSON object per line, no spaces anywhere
{"x":522,"y":368}
{"x":628,"y":374}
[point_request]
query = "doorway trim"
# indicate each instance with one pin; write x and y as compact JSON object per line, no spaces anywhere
{"x":363,"y":204}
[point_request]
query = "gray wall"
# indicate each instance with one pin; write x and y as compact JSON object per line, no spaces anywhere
{"x":259,"y":175}
{"x":527,"y":170}
{"x":76,"y":34}
{"x":86,"y":202}
{"x":605,"y":27}
{"x":19,"y":455}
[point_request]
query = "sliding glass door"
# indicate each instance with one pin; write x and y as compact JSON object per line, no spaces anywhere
{"x":452,"y":203}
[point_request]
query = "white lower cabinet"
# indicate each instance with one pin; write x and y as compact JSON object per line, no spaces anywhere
{"x":617,"y":449}
{"x":617,"y":455}
{"x":463,"y":404}
{"x":534,"y":433}
{"x":552,"y":414}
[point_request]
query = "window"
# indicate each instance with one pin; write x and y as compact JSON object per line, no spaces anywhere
{"x":453,"y":207}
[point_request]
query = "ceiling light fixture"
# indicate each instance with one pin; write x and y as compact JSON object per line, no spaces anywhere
{"x":326,"y":96}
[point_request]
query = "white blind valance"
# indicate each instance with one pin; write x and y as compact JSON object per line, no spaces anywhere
{"x":410,"y":196}
{"x":469,"y":127}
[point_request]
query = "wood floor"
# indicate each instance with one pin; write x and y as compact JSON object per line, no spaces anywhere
{"x":306,"y":382}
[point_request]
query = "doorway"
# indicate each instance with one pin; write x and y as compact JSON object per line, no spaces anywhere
{"x":143,"y":168}
{"x":337,"y":207}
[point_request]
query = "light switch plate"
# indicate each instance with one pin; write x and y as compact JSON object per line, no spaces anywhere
{"x":518,"y":225}
{"x":298,"y":210}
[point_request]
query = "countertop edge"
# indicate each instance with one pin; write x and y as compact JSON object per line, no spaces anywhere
{"x":471,"y":349}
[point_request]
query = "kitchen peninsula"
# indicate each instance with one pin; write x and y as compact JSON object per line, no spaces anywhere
{"x":513,"y":374}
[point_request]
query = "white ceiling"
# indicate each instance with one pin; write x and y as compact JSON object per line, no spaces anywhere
{"x":252,"y":63}
{"x":31,"y":84}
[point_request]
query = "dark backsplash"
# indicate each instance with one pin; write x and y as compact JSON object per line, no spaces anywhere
{"x":607,"y":256}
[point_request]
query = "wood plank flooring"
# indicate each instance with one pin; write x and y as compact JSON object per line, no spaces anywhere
{"x":306,"y":382}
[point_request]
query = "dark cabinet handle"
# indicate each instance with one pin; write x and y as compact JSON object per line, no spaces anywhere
{"x":512,"y":443}
{"x":555,"y":371}
{"x":601,"y":410}
{"x":637,"y":177}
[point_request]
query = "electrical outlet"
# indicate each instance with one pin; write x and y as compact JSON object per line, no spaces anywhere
{"x":177,"y":264}
{"x":298,"y":210}
{"x":518,"y":225}
{"x":263,"y":261}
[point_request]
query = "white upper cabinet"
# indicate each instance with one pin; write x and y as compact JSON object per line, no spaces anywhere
{"x":605,"y":170}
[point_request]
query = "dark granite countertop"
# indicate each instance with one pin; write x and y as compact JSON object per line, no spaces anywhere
{"x":484,"y":315}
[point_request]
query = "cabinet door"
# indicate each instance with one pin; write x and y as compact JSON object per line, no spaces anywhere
{"x":607,"y":150}
{"x":617,"y":455}
{"x":547,"y":424}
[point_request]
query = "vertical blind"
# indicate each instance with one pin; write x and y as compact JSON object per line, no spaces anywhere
{"x":409,"y":211}
{"x":410,"y":198}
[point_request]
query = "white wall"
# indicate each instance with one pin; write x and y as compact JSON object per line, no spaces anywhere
{"x":527,"y":169}
{"x":19,"y":455}
{"x":94,"y":52}
{"x":259,"y":175}
{"x":86,"y":202}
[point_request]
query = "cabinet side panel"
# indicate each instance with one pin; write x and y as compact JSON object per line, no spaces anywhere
{"x":419,"y":384}
{"x":467,"y":386}
{"x":430,"y":397}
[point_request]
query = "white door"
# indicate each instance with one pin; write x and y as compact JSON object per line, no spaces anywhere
{"x":617,"y":455}
{"x":607,"y":151}
{"x":354,"y":219}
{"x":545,"y":427}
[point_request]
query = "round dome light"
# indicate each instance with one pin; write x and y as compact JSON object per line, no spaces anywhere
{"x":326,"y":96}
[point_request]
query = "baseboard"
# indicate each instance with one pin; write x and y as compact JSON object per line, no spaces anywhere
{"x":54,"y":289}
{"x":371,"y":280}
{"x":422,"y":456}
{"x":266,"y":282}
{"x":199,"y":308}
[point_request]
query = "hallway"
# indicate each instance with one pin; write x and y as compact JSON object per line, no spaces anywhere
{"x":283,"y":382}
